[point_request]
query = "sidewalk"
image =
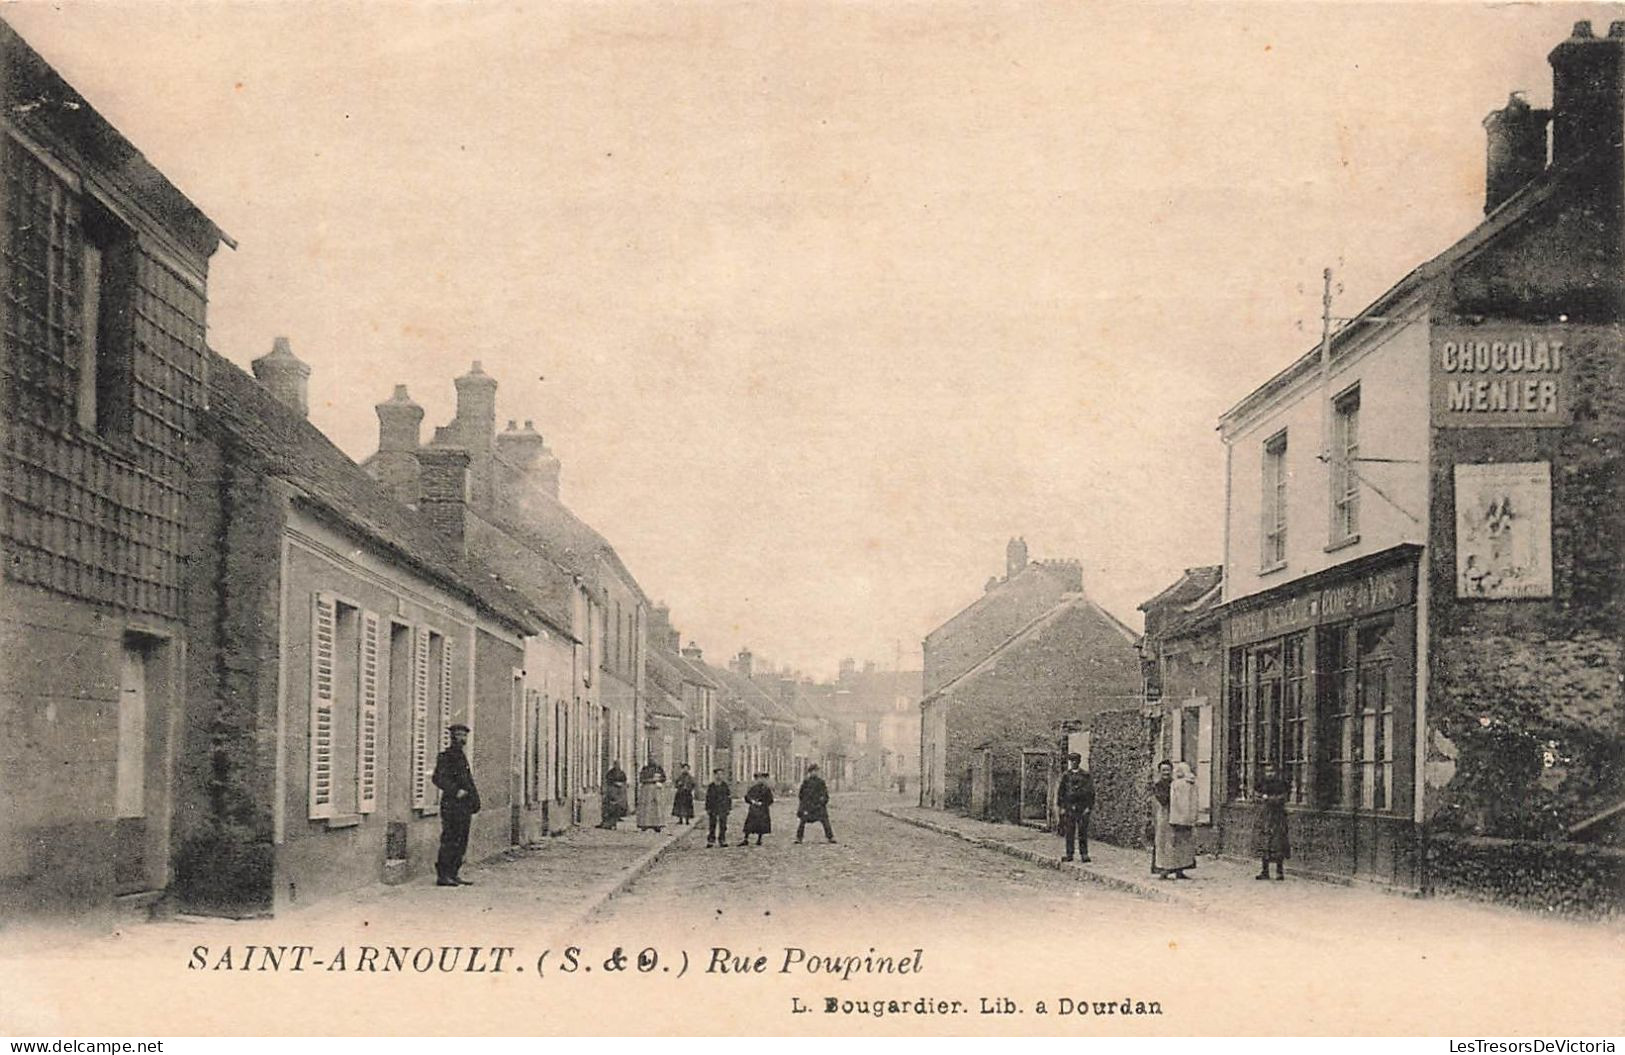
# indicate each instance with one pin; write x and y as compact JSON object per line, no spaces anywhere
{"x":1227,"y":889}
{"x":540,"y":893}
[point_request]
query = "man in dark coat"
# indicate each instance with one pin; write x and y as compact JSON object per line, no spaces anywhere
{"x":459,"y":801}
{"x":719,"y":799}
{"x":814,"y":804}
{"x":1074,"y":800}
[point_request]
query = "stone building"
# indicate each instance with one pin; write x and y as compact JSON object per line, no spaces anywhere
{"x":1182,"y":656}
{"x":878,"y":713}
{"x":102,"y":378}
{"x":1027,"y":590}
{"x":1423,"y":596}
{"x":990,"y":736}
{"x":333,"y":635}
{"x":515,"y":520}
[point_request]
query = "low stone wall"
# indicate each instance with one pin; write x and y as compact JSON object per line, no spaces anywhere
{"x":1575,"y":878}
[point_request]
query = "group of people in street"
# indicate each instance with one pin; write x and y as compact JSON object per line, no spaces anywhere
{"x":812,"y":807}
{"x":652,"y":792}
{"x":460,"y":800}
{"x":1175,"y":806}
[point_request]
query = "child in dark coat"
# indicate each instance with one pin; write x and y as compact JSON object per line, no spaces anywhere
{"x":758,"y":821}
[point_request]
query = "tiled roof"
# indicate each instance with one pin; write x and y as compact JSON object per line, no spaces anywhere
{"x":1189,"y":587}
{"x":324,"y":477}
{"x":1071,"y":603}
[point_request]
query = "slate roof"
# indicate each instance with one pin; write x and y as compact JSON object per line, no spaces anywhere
{"x":1053,"y":570}
{"x":326,"y":479}
{"x":38,"y":98}
{"x":1191,"y":586}
{"x":1071,"y":603}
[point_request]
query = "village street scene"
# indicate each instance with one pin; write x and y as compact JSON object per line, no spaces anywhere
{"x":651,"y":521}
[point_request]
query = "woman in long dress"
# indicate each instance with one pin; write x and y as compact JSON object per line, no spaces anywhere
{"x":1173,"y":849}
{"x":652,"y":796}
{"x":758,"y":821}
{"x":1270,"y":843}
{"x":682,"y":800}
{"x":614,"y":796}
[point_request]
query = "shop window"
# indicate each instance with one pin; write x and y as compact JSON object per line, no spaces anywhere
{"x":1358,"y":714}
{"x":1345,"y":482}
{"x":1273,"y":527}
{"x":1268,"y":719}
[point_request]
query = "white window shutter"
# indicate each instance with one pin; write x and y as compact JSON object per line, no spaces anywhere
{"x":1176,"y":746}
{"x":446,"y":694}
{"x":421,"y":762}
{"x":1204,"y":763}
{"x":324,"y":617}
{"x":367,"y":760}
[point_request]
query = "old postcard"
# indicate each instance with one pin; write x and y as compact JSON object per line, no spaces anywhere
{"x":812,"y":519}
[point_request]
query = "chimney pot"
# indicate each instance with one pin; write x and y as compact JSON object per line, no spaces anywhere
{"x":1616,"y":29}
{"x":285,"y":376}
{"x":1587,"y":115}
{"x":1515,"y":149}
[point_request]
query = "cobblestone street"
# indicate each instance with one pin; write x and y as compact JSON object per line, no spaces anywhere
{"x":982,"y":923}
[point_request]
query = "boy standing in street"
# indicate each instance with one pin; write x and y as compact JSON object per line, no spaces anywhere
{"x":719,"y":799}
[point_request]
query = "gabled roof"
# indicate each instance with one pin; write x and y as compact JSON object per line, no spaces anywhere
{"x":760,"y":702}
{"x":1192,"y":585}
{"x":698,"y":673}
{"x":325,"y":478}
{"x":1071,"y":603}
{"x":1536,"y":193}
{"x":1061,"y":573}
{"x":39,"y":99}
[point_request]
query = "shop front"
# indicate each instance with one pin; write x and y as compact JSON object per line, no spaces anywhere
{"x":1320,"y":686}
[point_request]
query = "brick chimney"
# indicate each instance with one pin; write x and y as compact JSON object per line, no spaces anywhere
{"x":1515,"y":148}
{"x":396,"y":464}
{"x":443,"y":482}
{"x":1586,"y":102}
{"x":526,"y":453}
{"x":285,"y":376}
{"x":474,"y":429}
{"x":693,"y":652}
{"x":744,"y":662}
{"x":1015,"y":557}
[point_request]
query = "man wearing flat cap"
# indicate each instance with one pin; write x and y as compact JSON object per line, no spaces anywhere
{"x":1074,"y":799}
{"x":459,"y":801}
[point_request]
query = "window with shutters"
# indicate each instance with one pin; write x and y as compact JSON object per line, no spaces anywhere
{"x":431,"y":703}
{"x":369,"y":738}
{"x":335,"y":706}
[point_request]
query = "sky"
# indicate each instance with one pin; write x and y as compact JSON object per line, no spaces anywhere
{"x":819,"y":303}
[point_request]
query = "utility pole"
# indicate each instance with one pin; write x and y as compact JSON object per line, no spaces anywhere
{"x":1326,"y":369}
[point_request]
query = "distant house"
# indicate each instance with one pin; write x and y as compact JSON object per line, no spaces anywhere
{"x":990,"y":735}
{"x":1027,"y":590}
